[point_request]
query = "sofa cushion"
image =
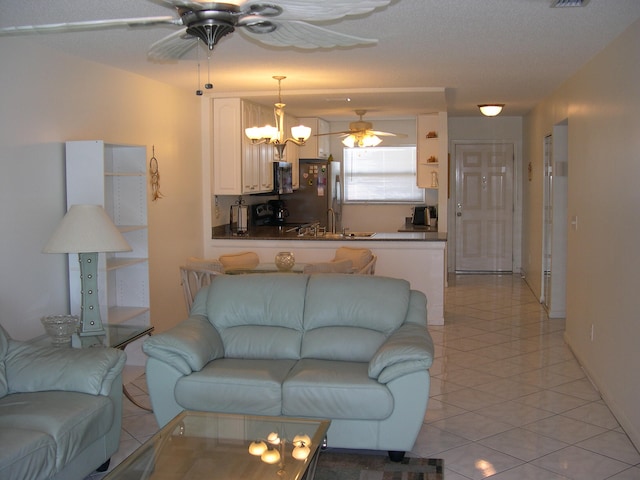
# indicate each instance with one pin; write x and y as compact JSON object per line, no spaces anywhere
{"x":335,"y":390}
{"x":235,"y":386}
{"x":73,"y":420}
{"x":26,"y":454}
{"x":257,"y":316}
{"x":337,"y":307}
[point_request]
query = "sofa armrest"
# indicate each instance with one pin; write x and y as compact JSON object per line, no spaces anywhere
{"x":31,"y":368}
{"x":409,"y":349}
{"x":188,"y":346}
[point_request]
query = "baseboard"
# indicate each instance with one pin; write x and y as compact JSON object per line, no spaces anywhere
{"x":626,"y":424}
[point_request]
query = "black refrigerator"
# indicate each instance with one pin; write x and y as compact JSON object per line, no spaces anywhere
{"x":320,"y":190}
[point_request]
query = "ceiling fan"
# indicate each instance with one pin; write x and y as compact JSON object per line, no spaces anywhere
{"x":361,"y":133}
{"x":281,"y":23}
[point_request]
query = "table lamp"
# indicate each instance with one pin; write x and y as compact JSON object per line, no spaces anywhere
{"x":87,"y":230}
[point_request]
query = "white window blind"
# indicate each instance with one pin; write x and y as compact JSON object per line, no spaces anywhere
{"x":381,"y":175}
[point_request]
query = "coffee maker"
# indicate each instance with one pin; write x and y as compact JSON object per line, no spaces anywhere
{"x":280,"y":212}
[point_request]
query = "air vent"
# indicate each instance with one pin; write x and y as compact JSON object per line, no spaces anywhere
{"x":568,"y":3}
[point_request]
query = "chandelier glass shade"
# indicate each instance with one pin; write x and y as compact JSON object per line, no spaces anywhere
{"x":276,"y":135}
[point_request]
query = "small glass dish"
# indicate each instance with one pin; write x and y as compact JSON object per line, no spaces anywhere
{"x":60,"y":328}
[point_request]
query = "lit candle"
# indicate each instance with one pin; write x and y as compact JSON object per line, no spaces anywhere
{"x":301,"y":440}
{"x":301,"y":453}
{"x":270,"y":456}
{"x":257,"y":448}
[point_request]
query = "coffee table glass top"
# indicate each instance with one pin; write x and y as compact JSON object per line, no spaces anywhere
{"x":216,"y":446}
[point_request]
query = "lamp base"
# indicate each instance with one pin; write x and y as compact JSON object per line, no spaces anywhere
{"x":90,"y":322}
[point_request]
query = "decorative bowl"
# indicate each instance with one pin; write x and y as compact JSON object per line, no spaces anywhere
{"x":285,"y":261}
{"x":60,"y":328}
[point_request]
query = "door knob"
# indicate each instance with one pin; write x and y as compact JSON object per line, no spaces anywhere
{"x":459,"y":214}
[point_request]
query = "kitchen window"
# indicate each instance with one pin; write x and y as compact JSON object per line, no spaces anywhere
{"x":381,"y":175}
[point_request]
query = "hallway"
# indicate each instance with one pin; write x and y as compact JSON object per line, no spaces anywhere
{"x":508,"y":397}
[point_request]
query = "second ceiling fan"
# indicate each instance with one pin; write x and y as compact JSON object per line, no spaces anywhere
{"x":361,"y":133}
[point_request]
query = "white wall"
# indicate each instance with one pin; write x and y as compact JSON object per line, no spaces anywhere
{"x":602,"y":105}
{"x":48,"y":98}
{"x":483,"y":130}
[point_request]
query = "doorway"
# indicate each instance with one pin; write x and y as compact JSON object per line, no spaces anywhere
{"x":554,"y":216}
{"x":484,"y":207}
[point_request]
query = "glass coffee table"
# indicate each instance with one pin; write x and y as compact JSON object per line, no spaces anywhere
{"x":217,"y":446}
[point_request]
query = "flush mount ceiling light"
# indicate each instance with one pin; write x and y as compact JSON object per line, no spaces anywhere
{"x":275,"y":135}
{"x":491,"y":109}
{"x":281,"y":23}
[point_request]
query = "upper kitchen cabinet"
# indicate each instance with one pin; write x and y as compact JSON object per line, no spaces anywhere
{"x":316,"y":147}
{"x":433,"y":162}
{"x":239,"y":166}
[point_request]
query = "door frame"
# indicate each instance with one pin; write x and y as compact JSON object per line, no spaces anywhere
{"x":517,"y":200}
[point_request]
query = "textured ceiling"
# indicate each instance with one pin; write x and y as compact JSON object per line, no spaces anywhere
{"x":431,"y":54}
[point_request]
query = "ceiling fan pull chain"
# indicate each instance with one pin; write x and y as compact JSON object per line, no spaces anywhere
{"x":198,"y":90}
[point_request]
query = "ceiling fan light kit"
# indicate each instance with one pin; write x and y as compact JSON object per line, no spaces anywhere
{"x":491,"y":109}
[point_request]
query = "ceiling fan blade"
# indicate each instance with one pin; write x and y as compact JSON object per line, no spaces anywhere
{"x":303,"y":35}
{"x":320,"y":11}
{"x":332,"y":133}
{"x":172,"y":47}
{"x":388,"y":134}
{"x":89,"y":25}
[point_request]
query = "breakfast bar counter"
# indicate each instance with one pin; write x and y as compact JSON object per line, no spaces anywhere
{"x":290,"y":233}
{"x":419,"y":257}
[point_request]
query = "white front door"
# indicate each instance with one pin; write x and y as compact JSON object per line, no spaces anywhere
{"x":484,"y":207}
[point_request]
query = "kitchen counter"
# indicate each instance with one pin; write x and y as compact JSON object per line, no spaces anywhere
{"x":410,"y":227}
{"x":280,"y":233}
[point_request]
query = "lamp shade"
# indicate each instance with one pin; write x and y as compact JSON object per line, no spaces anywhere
{"x":85,"y":229}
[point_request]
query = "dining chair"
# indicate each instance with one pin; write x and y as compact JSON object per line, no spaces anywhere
{"x":341,"y":266}
{"x":363,"y":259}
{"x":193,"y":278}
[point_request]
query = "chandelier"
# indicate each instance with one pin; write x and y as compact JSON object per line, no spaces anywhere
{"x":275,"y":135}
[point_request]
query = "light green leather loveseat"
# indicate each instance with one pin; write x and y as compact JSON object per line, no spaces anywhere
{"x":353,"y":349}
{"x":60,"y":409}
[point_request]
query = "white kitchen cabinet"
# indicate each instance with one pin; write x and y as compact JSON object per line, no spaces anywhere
{"x":316,"y":147}
{"x":239,"y":166}
{"x":113,"y":176}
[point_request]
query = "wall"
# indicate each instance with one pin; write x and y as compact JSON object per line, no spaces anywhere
{"x":483,"y":130}
{"x":601,"y":103}
{"x":48,"y":98}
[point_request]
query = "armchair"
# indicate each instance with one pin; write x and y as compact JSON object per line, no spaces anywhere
{"x":60,"y":409}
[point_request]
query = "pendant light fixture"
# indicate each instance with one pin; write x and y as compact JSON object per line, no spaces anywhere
{"x":276,"y":135}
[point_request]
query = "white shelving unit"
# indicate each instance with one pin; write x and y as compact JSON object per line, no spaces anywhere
{"x":433,"y":163}
{"x":114,"y":176}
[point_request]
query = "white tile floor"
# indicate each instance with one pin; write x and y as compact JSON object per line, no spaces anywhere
{"x":508,"y":399}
